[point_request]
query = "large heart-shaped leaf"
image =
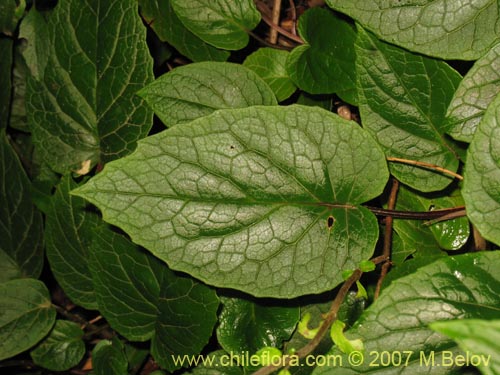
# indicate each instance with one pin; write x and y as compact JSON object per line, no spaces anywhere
{"x":325,"y":64}
{"x":398,"y":322}
{"x":403,"y":99}
{"x":261,"y":199}
{"x":481,"y":190}
{"x":449,"y":29}
{"x":81,"y":101}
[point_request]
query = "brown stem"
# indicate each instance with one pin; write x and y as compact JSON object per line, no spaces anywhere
{"x":294,"y":17}
{"x":264,"y":12}
{"x":426,"y":165}
{"x":273,"y":34}
{"x":415,"y":215}
{"x":386,"y":253}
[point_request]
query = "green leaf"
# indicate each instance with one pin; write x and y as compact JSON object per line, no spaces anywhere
{"x":21,"y":232}
{"x":167,"y":26}
{"x":70,"y":228}
{"x":325,"y":64}
{"x":18,"y":119}
{"x":198,"y":89}
{"x":82,"y":107}
{"x":416,"y":236}
{"x":260,"y":199}
{"x":9,"y":269}
{"x":402,"y":100}
{"x":11,"y":12}
{"x":478,"y":338}
{"x":26,"y":315}
{"x":62,"y":349}
{"x":142,"y":299}
{"x":448,"y":29}
{"x":108,"y":358}
{"x":270,"y":65}
{"x":185,"y":322}
{"x":450,"y":288}
{"x":476,"y":91}
{"x":481,"y":190}
{"x":246,"y":326}
{"x":33,"y":30}
{"x":221,"y":23}
{"x":6,"y":45}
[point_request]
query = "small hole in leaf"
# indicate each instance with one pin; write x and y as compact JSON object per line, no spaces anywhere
{"x":330,"y":221}
{"x":231,"y":147}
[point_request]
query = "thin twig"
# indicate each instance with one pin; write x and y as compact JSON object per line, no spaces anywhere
{"x":387,"y":238}
{"x":328,"y":320}
{"x":450,"y":216}
{"x":264,"y":12}
{"x":294,"y":17}
{"x":415,"y":215}
{"x":273,"y":34}
{"x":266,"y":43}
{"x":426,"y":165}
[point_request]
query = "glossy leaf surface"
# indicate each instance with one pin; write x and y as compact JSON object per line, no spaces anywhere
{"x":247,"y":326}
{"x":69,"y":232}
{"x":270,"y":65}
{"x":62,"y":349}
{"x":221,"y":23}
{"x":480,"y":338}
{"x":261,"y":199}
{"x":167,"y":26}
{"x":81,"y":102}
{"x":477,"y":90}
{"x":481,"y":190}
{"x":108,"y":358}
{"x":403,"y":99}
{"x":450,"y":288}
{"x":449,"y":29}
{"x":325,"y":63}
{"x":26,"y":315}
{"x":21,"y":229}
{"x":196,"y":90}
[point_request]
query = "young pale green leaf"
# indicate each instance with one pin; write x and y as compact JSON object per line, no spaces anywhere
{"x":198,"y":89}
{"x":398,"y":321}
{"x":81,"y":104}
{"x":221,"y":23}
{"x":187,"y":316}
{"x":270,"y":65}
{"x":21,"y":232}
{"x":481,"y":189}
{"x":246,"y":326}
{"x":142,"y":299}
{"x":167,"y":26}
{"x":325,"y":64}
{"x":449,"y":29}
{"x":26,"y":315}
{"x":476,"y":91}
{"x":479,"y":338}
{"x":402,"y":100}
{"x":6,"y":45}
{"x":62,"y":349}
{"x":261,"y":199}
{"x":69,"y":232}
{"x":108,"y":358}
